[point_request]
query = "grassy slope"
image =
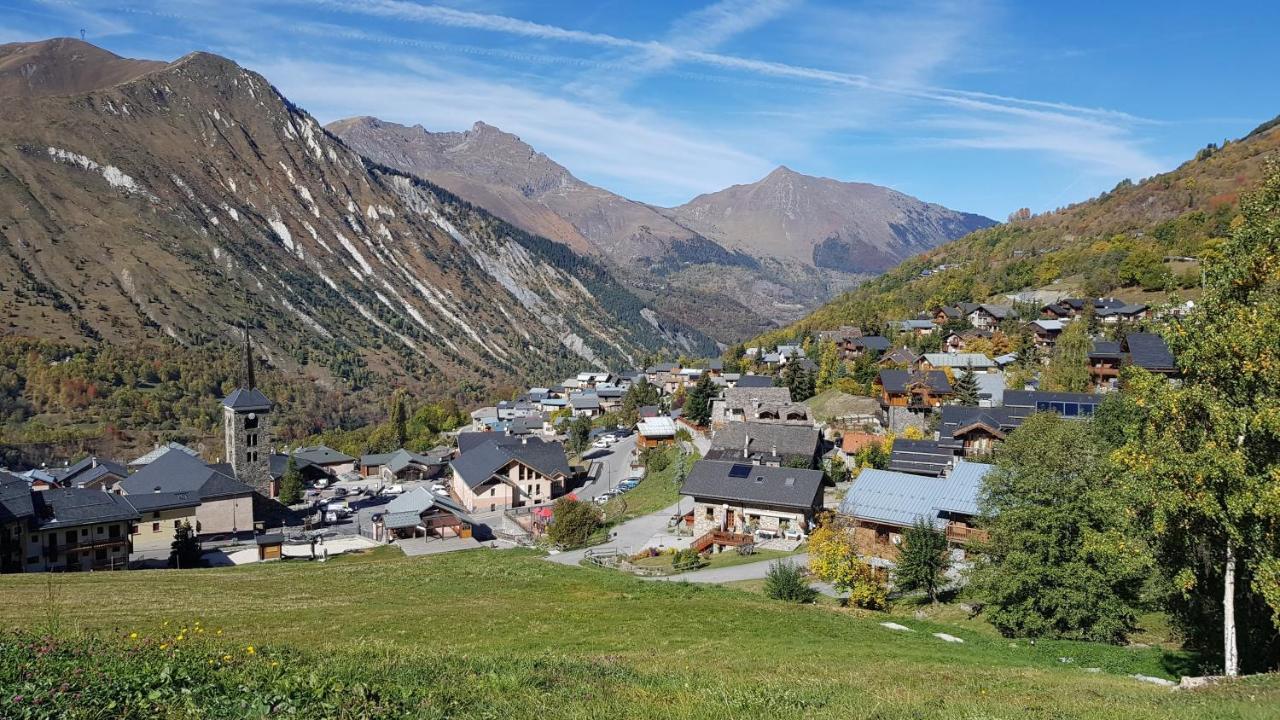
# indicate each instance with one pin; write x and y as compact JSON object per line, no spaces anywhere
{"x":613,"y":644}
{"x":1181,"y":212}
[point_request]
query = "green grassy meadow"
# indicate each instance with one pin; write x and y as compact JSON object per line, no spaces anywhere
{"x":506,"y":634}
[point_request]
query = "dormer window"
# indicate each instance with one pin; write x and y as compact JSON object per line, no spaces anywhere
{"x":251,"y":421}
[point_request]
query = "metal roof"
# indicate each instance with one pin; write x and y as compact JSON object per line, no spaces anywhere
{"x":247,"y":400}
{"x":896,"y":498}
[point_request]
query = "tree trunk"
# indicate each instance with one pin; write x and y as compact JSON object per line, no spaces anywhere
{"x":1230,"y":658}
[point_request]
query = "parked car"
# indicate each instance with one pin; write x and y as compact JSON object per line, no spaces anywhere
{"x":439,"y":489}
{"x":601,"y":443}
{"x":322,"y":483}
{"x":339,"y":492}
{"x":605,"y":497}
{"x":393,"y":489}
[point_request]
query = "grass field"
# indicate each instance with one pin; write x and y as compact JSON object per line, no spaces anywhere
{"x":506,"y":634}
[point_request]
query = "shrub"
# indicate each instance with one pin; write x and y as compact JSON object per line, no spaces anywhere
{"x":572,"y":522}
{"x":786,"y":581}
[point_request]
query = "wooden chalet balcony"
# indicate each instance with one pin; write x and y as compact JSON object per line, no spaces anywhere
{"x":1104,"y":370}
{"x":720,"y":537}
{"x":963,"y":534}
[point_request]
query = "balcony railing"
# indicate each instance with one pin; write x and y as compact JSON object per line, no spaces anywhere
{"x":962,"y":534}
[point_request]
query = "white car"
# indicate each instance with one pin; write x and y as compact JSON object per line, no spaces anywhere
{"x":393,"y":489}
{"x":601,"y":443}
{"x":322,"y":483}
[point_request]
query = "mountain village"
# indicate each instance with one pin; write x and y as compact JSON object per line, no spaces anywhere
{"x":771,"y":467}
{"x":383,"y":412}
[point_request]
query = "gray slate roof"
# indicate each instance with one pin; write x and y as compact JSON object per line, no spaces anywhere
{"x":762,"y":439}
{"x":156,"y":452}
{"x":754,"y":381}
{"x":715,"y":480}
{"x":896,"y":498}
{"x":15,"y":498}
{"x":246,"y":400}
{"x":406,"y":510}
{"x":65,"y":507}
{"x":178,"y":472}
{"x":322,"y":455}
{"x":896,"y":381}
{"x":1149,"y":352}
{"x":151,"y":502}
{"x":477,"y":464}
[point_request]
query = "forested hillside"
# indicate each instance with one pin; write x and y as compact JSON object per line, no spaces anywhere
{"x":1140,"y":241}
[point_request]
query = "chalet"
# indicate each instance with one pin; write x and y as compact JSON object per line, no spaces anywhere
{"x":1131,"y":312}
{"x":92,"y":473}
{"x":326,"y":458}
{"x":659,"y":374}
{"x":852,"y":344}
{"x":512,"y":409}
{"x":655,"y":432}
{"x":898,"y":357}
{"x":1149,"y":352}
{"x":39,"y":479}
{"x":401,"y":465}
{"x":766,"y":444}
{"x":1045,"y":333}
{"x":989,"y":317}
{"x":177,"y":487}
{"x":1068,"y":308}
{"x":957,"y":362}
{"x":952,"y":313}
{"x":586,"y":405}
{"x":592,"y":380}
{"x":758,"y":404}
{"x":913,"y":389}
{"x":915,"y":327}
{"x":956,"y":342}
{"x":497,"y":472}
{"x":62,"y":529}
{"x":421,"y":512}
{"x":975,"y":431}
{"x":921,"y":457}
{"x":882,"y":504}
{"x":1105,"y":359}
{"x":609,"y":397}
{"x":1004,"y":361}
{"x":741,"y":499}
{"x":908,"y":397}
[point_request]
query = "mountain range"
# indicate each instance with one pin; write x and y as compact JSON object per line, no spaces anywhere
{"x":150,"y":203}
{"x":744,"y":258}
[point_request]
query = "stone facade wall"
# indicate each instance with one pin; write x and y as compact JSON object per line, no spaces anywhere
{"x":900,"y":418}
{"x":708,"y":516}
{"x":249,"y":448}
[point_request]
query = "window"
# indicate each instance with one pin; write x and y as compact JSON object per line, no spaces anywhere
{"x":493,"y":491}
{"x":177,"y":524}
{"x":251,"y":422}
{"x":882,"y":537}
{"x":155,"y":515}
{"x":101,"y":529}
{"x":251,"y":440}
{"x":134,"y":530}
{"x":1071,"y":409}
{"x":71,"y":537}
{"x":492,"y":507}
{"x":114,"y":531}
{"x":84,"y":531}
{"x":155,"y":527}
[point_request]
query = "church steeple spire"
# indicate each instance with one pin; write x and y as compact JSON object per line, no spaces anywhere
{"x":249,"y":383}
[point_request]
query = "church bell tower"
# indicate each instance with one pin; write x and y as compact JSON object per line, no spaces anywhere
{"x":246,"y":426}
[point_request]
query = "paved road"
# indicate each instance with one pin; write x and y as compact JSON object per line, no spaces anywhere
{"x":608,"y":467}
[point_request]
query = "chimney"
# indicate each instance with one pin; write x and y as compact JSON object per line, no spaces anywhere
{"x":524,"y":440}
{"x":746,"y":446}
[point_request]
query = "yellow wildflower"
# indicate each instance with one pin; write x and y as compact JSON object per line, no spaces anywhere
{"x":133,"y":636}
{"x":166,"y":623}
{"x":180,"y":638}
{"x":274,"y":663}
{"x":226,"y":658}
{"x":250,"y":650}
{"x":219,"y":631}
{"x":164,"y":646}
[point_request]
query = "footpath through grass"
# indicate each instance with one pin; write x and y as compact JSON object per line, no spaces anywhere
{"x":506,"y":634}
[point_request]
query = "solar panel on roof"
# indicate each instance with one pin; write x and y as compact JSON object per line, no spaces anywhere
{"x":740,"y":471}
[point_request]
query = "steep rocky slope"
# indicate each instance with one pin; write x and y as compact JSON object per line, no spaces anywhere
{"x":63,"y":66}
{"x":194,"y":197}
{"x":778,"y":256}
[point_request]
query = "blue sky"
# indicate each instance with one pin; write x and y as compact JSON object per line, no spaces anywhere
{"x":984,"y":106}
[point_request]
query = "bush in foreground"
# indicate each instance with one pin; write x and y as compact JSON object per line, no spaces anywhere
{"x":785,"y":581}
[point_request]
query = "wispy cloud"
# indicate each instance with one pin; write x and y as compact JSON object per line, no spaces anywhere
{"x":643,"y":149}
{"x":1024,"y":118}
